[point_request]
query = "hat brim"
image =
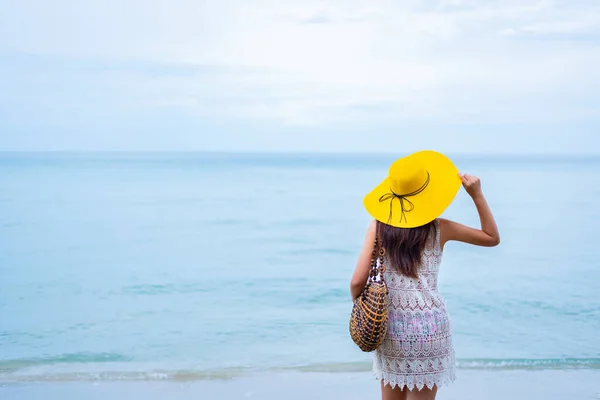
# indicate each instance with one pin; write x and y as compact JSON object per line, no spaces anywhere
{"x":429,"y":204}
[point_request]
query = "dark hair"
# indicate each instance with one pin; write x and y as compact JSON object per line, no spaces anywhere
{"x":404,"y":246}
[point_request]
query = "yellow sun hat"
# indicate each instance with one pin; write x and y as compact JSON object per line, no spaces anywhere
{"x":418,"y":189}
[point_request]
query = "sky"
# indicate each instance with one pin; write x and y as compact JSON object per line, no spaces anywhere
{"x":513,"y":76}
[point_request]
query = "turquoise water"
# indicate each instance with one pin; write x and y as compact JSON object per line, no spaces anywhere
{"x":196,"y":266}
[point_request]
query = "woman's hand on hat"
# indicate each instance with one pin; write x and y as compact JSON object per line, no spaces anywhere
{"x":472,"y":184}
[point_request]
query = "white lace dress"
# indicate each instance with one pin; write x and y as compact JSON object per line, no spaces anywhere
{"x":417,"y":351}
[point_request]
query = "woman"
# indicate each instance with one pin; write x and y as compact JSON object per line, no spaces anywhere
{"x":417,"y":356}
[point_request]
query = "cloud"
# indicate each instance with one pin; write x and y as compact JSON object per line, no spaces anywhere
{"x":307,"y":65}
{"x":317,"y":18}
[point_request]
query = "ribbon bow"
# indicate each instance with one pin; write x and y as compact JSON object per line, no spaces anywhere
{"x":405,"y":204}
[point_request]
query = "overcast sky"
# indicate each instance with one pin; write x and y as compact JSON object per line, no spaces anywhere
{"x":512,"y":76}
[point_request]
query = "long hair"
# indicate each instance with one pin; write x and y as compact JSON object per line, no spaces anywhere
{"x":404,"y":246}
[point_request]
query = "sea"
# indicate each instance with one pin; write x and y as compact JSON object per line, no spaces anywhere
{"x":203,"y":266}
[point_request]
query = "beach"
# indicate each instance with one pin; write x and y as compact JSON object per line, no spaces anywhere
{"x":471,"y":385}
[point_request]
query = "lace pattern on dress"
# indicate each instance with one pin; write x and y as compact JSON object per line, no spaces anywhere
{"x":418,"y":350}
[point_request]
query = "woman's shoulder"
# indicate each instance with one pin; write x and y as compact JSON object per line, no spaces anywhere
{"x":442,"y":221}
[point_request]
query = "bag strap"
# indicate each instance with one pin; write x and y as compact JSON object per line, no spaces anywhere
{"x":377,"y":254}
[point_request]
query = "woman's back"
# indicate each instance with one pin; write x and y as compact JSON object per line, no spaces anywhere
{"x":418,"y":350}
{"x":422,"y":292}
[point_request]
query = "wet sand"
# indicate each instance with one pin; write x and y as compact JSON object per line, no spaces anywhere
{"x":471,"y":384}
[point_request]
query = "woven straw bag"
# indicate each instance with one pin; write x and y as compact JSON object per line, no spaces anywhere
{"x":368,"y":321}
